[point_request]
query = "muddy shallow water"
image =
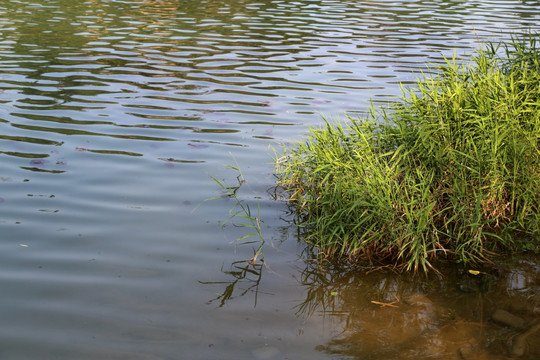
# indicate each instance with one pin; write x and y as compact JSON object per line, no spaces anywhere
{"x":461,"y":313}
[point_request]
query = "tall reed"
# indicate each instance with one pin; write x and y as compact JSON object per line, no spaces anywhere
{"x":451,"y":169}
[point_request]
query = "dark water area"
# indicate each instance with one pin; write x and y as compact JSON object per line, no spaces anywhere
{"x":114,"y":116}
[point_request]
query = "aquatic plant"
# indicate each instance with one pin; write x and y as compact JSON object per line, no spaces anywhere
{"x":451,"y":170}
{"x":245,"y":277}
{"x":246,"y":274}
{"x":241,"y":215}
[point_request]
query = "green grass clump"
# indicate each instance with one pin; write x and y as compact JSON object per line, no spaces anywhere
{"x":452,"y":169}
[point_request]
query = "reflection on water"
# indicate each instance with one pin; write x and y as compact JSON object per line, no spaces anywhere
{"x":245,"y":278}
{"x":160,"y":70}
{"x":114,"y":115}
{"x":492,"y":313}
{"x":451,"y":315}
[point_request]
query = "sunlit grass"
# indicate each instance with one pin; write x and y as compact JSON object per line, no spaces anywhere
{"x":452,"y":169}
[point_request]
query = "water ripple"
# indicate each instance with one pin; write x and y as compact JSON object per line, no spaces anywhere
{"x":112,"y":115}
{"x":105,"y":58}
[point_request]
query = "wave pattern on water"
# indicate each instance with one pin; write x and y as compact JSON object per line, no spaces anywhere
{"x":111,"y":114}
{"x":159,"y":71}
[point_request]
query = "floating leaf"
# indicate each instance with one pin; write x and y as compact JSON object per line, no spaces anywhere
{"x":38,"y":161}
{"x":198,"y":146}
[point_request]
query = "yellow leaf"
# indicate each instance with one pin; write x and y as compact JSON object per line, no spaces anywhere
{"x":474,"y":272}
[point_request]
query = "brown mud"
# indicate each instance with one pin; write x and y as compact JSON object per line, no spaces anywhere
{"x":463,"y":312}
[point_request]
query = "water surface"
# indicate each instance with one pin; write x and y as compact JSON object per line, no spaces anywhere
{"x":115,"y":114}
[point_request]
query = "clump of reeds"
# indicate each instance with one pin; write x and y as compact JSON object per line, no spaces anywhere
{"x":452,"y":169}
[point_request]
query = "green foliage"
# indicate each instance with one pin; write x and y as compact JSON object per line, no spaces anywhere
{"x":246,"y":274}
{"x":452,"y":169}
{"x":241,"y":215}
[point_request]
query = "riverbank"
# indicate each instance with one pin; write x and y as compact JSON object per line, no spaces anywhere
{"x":451,"y":170}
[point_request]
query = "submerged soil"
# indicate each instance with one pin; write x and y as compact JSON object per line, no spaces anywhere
{"x":460,"y":313}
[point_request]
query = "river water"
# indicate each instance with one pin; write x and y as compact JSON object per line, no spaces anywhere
{"x":115,"y":116}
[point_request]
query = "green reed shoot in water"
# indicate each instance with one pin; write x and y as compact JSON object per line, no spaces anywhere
{"x":451,"y":170}
{"x":248,"y":276}
{"x":240,"y":215}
